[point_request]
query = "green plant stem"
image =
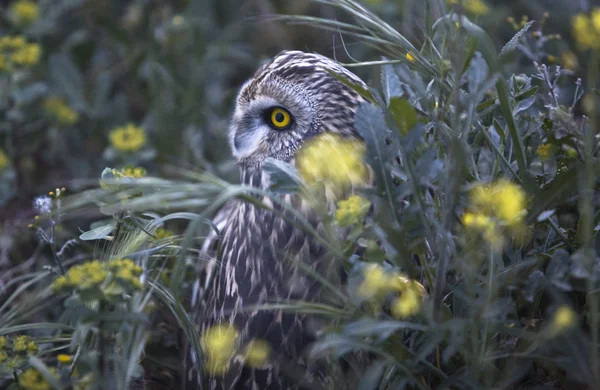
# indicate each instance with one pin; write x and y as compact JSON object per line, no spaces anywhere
{"x":587,"y":212}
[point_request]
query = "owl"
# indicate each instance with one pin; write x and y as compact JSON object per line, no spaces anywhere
{"x":289,"y":100}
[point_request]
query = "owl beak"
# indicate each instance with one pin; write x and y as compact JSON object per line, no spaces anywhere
{"x":247,"y":141}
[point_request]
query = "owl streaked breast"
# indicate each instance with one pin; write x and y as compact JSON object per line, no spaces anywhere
{"x":290,"y":99}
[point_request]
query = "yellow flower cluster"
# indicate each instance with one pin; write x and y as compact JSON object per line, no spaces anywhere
{"x":563,"y":319}
{"x":4,"y":161}
{"x":377,"y":282}
{"x":93,"y":274}
{"x":20,"y":347}
{"x":545,"y":151}
{"x":128,"y":138}
{"x":351,"y":210}
{"x":334,"y":161}
{"x":16,"y":52}
{"x":60,"y":112}
{"x":126,"y":272}
{"x":64,"y":358}
{"x":84,"y":277}
{"x":24,"y":344}
{"x":475,"y":7}
{"x":24,"y":12}
{"x":220,"y":344}
{"x":586,"y":29}
{"x":161,"y":234}
{"x":494,"y":206}
{"x":31,"y":379}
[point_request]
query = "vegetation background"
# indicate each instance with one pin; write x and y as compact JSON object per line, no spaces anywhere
{"x":490,"y":158}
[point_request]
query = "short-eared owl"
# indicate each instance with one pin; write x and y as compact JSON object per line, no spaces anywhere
{"x":289,"y":100}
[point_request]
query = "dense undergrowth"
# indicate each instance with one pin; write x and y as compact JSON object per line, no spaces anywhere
{"x":478,"y":265}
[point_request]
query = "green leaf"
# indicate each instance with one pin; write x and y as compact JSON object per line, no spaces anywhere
{"x":98,"y":233}
{"x":514,"y":41}
{"x":390,"y":83}
{"x":403,"y":114}
{"x":284,"y":177}
{"x":525,"y":94}
{"x":360,"y":89}
{"x":66,"y":76}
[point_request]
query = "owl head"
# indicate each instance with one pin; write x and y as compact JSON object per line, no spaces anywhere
{"x":289,"y":100}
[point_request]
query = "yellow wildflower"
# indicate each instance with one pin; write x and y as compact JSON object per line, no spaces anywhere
{"x":375,"y":281}
{"x":586,"y":29}
{"x":27,"y":55}
{"x":23,"y":343}
{"x":24,"y":12}
{"x":31,"y":379}
{"x":351,"y":210}
{"x":64,"y":358}
{"x":332,"y":160}
{"x":3,"y":342}
{"x":4,"y":161}
{"x":475,"y":7}
{"x":161,"y":234}
{"x":503,"y":200}
{"x":410,"y":57}
{"x":563,"y":319}
{"x":60,"y":111}
{"x":126,"y":272}
{"x":595,"y":18}
{"x":408,"y":304}
{"x":545,"y":151}
{"x":219,"y":344}
{"x":128,"y":138}
{"x":133,"y":172}
{"x":569,"y":60}
{"x":85,"y":276}
{"x":257,"y":353}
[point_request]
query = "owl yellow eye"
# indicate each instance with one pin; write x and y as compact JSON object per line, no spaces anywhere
{"x":280,"y":118}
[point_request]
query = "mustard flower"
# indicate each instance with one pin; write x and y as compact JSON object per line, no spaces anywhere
{"x":375,"y":281}
{"x":545,"y":151}
{"x":408,"y":304}
{"x":586,"y":29}
{"x":569,"y":60}
{"x":24,"y":12}
{"x":24,"y":344}
{"x":486,"y":225}
{"x":332,"y":160}
{"x":219,"y":344}
{"x":563,"y":319}
{"x":59,"y":111}
{"x":31,"y":379}
{"x":64,"y":358}
{"x":257,"y":353}
{"x":126,"y":272}
{"x":128,"y":138}
{"x":27,"y":56}
{"x":410,"y":57}
{"x":4,"y":161}
{"x":161,"y":234}
{"x":83,"y":277}
{"x":475,"y":7}
{"x":503,"y":200}
{"x":351,"y":210}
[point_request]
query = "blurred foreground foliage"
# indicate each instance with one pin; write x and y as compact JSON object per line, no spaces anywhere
{"x":479,"y":265}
